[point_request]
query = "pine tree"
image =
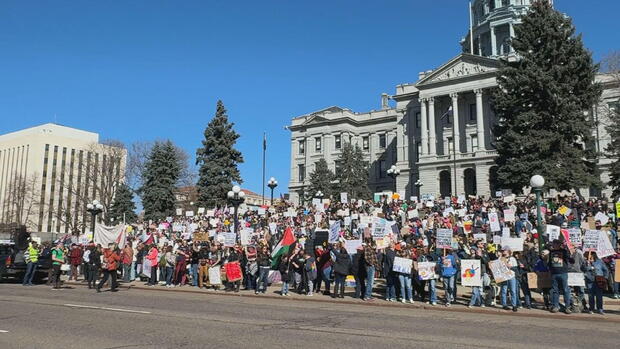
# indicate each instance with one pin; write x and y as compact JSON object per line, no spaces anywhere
{"x":123,"y":205}
{"x":540,"y":105}
{"x":160,"y":175}
{"x":613,"y":149}
{"x":218,"y":160}
{"x":321,"y":179}
{"x":352,"y":174}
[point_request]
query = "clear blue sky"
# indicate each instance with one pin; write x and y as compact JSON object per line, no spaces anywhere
{"x":144,"y":70}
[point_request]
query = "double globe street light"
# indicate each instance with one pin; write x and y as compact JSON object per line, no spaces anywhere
{"x":236,"y":197}
{"x":272,"y":184}
{"x":537,"y":182}
{"x":94,"y":208}
{"x":319,"y":195}
{"x":393,"y":172}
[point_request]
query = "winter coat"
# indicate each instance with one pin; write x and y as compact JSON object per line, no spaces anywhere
{"x":342,"y":266}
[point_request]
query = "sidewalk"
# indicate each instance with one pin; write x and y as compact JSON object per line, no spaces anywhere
{"x":612,"y":307}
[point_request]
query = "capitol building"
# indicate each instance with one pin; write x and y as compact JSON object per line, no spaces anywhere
{"x":439,"y":134}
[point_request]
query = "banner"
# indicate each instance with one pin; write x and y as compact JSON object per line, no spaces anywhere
{"x":471,"y":272}
{"x":105,"y":235}
{"x":426,"y":270}
{"x":402,"y":265}
{"x":494,"y":222}
{"x":444,"y":238}
{"x":500,"y":271}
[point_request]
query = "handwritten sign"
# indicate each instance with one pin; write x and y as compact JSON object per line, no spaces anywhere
{"x":481,"y":236}
{"x":515,"y":244}
{"x":576,"y":279}
{"x":590,"y":240}
{"x":509,"y":215}
{"x":426,"y":270}
{"x":553,"y":231}
{"x":574,"y":236}
{"x":402,"y":265}
{"x":500,"y":271}
{"x":444,"y":238}
{"x":494,"y":221}
{"x":230,"y":239}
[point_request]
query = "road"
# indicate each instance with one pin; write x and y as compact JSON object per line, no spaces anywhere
{"x":37,"y":317}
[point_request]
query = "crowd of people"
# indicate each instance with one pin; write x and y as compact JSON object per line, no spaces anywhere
{"x":327,"y":245}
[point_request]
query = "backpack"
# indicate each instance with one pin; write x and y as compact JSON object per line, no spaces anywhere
{"x":162,"y":260}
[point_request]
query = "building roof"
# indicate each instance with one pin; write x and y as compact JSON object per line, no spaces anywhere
{"x":55,"y":130}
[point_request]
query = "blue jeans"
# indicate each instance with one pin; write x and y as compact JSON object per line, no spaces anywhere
{"x":448,"y":284}
{"x":527,"y":294}
{"x":126,"y":272}
{"x":193,"y":269}
{"x":432,"y":290}
{"x":390,"y":289}
{"x":263,"y":276}
{"x":325,"y":276}
{"x":31,"y":269}
{"x":476,"y":297}
{"x":594,"y":293}
{"x":360,"y":287}
{"x":339,"y":284}
{"x":370,"y":280}
{"x":169,"y":275}
{"x":559,"y":283}
{"x":132,"y":274}
{"x":505,"y":286}
{"x":284,"y":287}
{"x":405,"y":286}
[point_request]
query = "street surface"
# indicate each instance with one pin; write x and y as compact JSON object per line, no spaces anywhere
{"x":76,"y":317}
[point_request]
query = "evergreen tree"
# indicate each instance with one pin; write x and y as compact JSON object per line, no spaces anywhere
{"x":613,"y":149}
{"x":540,"y":104}
{"x":160,"y":175}
{"x":218,"y":160}
{"x":123,"y":205}
{"x":353,"y":172}
{"x":321,"y":179}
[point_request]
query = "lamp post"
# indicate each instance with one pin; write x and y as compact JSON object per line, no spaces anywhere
{"x":94,"y":208}
{"x":537,"y":182}
{"x":272,"y":184}
{"x":418,"y":184}
{"x":319,"y":194}
{"x":236,"y":197}
{"x":393,"y":172}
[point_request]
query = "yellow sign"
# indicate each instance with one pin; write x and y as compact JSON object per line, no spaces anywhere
{"x":618,"y":210}
{"x":563,"y":209}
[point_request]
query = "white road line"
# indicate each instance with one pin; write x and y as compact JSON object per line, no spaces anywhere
{"x":110,"y":309}
{"x":3,"y":331}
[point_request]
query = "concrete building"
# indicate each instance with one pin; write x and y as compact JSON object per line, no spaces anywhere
{"x":418,"y":134}
{"x":49,"y":172}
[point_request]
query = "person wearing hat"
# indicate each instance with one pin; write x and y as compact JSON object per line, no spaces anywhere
{"x":509,"y":285}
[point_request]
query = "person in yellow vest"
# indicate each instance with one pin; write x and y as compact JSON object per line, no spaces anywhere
{"x":32,"y":258}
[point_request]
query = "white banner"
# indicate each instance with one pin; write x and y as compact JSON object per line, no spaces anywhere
{"x":105,"y":235}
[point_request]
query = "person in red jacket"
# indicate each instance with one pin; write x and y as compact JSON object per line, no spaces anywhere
{"x":111,"y":259}
{"x":75,"y":259}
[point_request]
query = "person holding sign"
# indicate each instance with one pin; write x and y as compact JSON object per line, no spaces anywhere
{"x":596,"y":281}
{"x":510,"y":284}
{"x":404,"y":274}
{"x":480,"y":254}
{"x":449,"y":268}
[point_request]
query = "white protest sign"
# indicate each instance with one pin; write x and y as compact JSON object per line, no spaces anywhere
{"x":509,"y":215}
{"x":497,"y":239}
{"x":316,"y":202}
{"x":505,"y":232}
{"x":574,"y":235}
{"x":481,"y":236}
{"x":494,"y":222}
{"x":444,"y":238}
{"x":604,"y":247}
{"x":344,"y":198}
{"x":214,"y":276}
{"x":402,"y":265}
{"x":189,"y":213}
{"x":347,"y":221}
{"x":600,"y":216}
{"x":246,"y":236}
{"x":471,"y":272}
{"x":576,"y":279}
{"x":426,"y":270}
{"x":378,"y":227}
{"x":500,"y":271}
{"x":334,"y":232}
{"x":201,"y":210}
{"x":553,"y":231}
{"x":590,"y":240}
{"x":230,"y":239}
{"x":211,"y":213}
{"x":352,"y":245}
{"x":179,"y":211}
{"x":515,"y":244}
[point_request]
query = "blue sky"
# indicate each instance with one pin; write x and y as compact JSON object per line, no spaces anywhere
{"x":145,"y":70}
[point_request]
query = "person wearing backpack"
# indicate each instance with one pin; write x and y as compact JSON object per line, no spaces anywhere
{"x":342,"y":268}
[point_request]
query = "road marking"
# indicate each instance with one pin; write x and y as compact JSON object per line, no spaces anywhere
{"x":4,"y":331}
{"x":110,"y":309}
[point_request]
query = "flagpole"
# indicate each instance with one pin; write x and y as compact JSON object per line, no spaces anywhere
{"x":264,"y":156}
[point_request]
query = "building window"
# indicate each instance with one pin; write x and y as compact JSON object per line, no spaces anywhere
{"x":302,"y":147}
{"x":301,"y":168}
{"x":337,"y":166}
{"x":317,"y":144}
{"x":418,"y":119}
{"x":474,"y":142}
{"x":338,"y":141}
{"x":382,"y":169}
{"x":491,"y":5}
{"x":418,"y":147}
{"x":365,"y":142}
{"x":450,"y":145}
{"x":505,"y":3}
{"x":472,"y":112}
{"x":382,"y":141}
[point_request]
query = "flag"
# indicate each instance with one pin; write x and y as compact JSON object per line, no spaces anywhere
{"x":283,"y":247}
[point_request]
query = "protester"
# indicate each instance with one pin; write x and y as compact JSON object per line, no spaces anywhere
{"x":31,"y":258}
{"x":111,"y":259}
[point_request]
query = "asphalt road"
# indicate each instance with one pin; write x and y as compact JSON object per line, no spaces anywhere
{"x":37,"y":317}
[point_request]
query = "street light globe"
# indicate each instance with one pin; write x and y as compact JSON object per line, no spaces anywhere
{"x":236,"y":189}
{"x":95,"y":202}
{"x":99,"y":206}
{"x":537,"y":181}
{"x":230,"y":194}
{"x":241,"y":194}
{"x":272,"y":179}
{"x":89,"y":206}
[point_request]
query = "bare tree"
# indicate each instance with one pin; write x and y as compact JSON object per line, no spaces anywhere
{"x":23,"y":200}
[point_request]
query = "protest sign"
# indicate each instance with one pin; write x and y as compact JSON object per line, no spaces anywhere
{"x":230,"y":239}
{"x":563,"y":210}
{"x":381,"y":243}
{"x":344,"y":198}
{"x":505,"y":232}
{"x":617,"y":214}
{"x":591,"y":224}
{"x":539,"y":280}
{"x":471,"y":272}
{"x":515,"y":244}
{"x":576,"y":279}
{"x":574,"y":235}
{"x":200,"y":237}
{"x":426,"y":270}
{"x":617,"y":273}
{"x":201,"y":210}
{"x":494,"y":221}
{"x":261,"y":211}
{"x":444,"y":238}
{"x":189,"y":213}
{"x":246,"y":236}
{"x":334,"y":232}
{"x":481,"y":236}
{"x":179,"y":211}
{"x":497,"y":239}
{"x":211,"y":213}
{"x":553,"y":231}
{"x":600,"y":216}
{"x":590,"y":240}
{"x":214,"y":276}
{"x":378,"y":227}
{"x":352,"y":245}
{"x":509,"y":215}
{"x":500,"y":271}
{"x":402,"y":265}
{"x":347,"y":221}
{"x":604,"y":247}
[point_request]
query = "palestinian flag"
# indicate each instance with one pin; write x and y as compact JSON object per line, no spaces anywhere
{"x":283,"y":247}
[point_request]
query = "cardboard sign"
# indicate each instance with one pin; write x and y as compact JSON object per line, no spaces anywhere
{"x":500,"y":271}
{"x":200,"y":237}
{"x":471,"y":272}
{"x":444,"y":238}
{"x":576,"y":279}
{"x":539,"y":280}
{"x":494,"y":222}
{"x":402,"y":265}
{"x":426,"y":270}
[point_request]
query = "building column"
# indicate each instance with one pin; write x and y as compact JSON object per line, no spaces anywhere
{"x":432,"y":139}
{"x":402,"y":142}
{"x":493,"y":42}
{"x":479,"y":119}
{"x":424,"y":132}
{"x":455,"y":121}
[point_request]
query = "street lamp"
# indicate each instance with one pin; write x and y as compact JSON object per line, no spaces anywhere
{"x":537,"y":182}
{"x":418,"y":184}
{"x":272,"y":184}
{"x":319,"y":195}
{"x":94,"y":208}
{"x":393,"y":172}
{"x":236,"y":197}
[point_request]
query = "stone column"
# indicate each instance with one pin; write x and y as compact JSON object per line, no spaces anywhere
{"x":480,"y":119}
{"x":455,"y":122}
{"x":424,"y":132}
{"x":493,"y":42}
{"x":432,"y":139}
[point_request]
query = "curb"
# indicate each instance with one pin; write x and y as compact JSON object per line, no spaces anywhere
{"x":476,"y":310}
